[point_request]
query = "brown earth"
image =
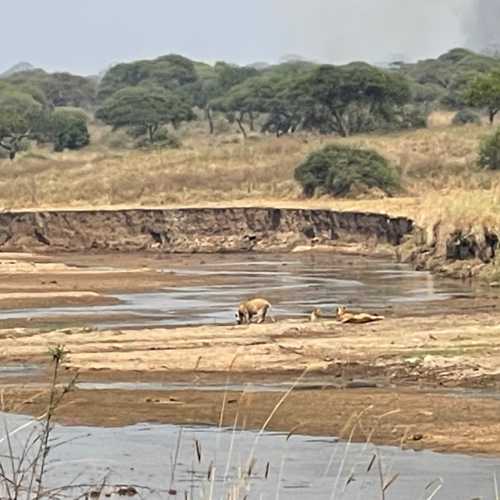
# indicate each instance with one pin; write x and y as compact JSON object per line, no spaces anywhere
{"x":445,"y":248}
{"x":461,"y":349}
{"x":412,"y":359}
{"x":192,"y":230}
{"x":413,"y":419}
{"x":407,"y":370}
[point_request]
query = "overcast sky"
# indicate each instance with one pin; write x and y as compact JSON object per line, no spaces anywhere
{"x":86,"y":36}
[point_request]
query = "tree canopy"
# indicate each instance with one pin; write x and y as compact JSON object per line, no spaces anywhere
{"x":20,"y":115}
{"x":170,"y":72}
{"x":328,"y":98}
{"x":444,"y":80}
{"x":59,"y":89}
{"x":144,"y":109}
{"x":484,"y":92}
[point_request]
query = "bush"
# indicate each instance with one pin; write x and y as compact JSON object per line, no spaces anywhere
{"x":489,"y":151}
{"x":341,"y":170}
{"x":162,"y":140}
{"x":67,"y":129}
{"x":466,"y":116}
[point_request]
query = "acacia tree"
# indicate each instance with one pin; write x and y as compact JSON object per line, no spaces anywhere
{"x":20,"y":115}
{"x":244,"y":100}
{"x":484,"y":92}
{"x":171,"y":72}
{"x":214,"y":84}
{"x":144,"y":109}
{"x":342,"y":94}
{"x":58,"y":89}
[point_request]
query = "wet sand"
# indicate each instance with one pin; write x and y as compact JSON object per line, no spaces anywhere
{"x":399,"y":417}
{"x":401,"y":362}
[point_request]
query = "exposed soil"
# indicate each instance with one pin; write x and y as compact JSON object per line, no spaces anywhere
{"x":413,"y":361}
{"x":193,"y":230}
{"x":415,"y":419}
{"x":407,"y":357}
{"x":449,"y":349}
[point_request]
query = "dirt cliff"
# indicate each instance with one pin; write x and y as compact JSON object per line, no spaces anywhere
{"x":442,"y":248}
{"x":195,"y":229}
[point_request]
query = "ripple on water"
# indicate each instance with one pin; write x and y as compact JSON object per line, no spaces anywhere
{"x":294,"y":287}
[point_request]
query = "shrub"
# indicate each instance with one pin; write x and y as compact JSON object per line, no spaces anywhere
{"x":465,"y":116}
{"x":162,"y":140}
{"x":489,"y":151}
{"x":67,"y":129}
{"x":339,"y":170}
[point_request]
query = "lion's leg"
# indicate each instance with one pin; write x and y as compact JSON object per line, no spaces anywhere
{"x":262,"y":315}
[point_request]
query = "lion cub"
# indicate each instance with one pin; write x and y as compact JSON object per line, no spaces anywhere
{"x":254,"y":307}
{"x":346,"y":317}
{"x":317,"y":315}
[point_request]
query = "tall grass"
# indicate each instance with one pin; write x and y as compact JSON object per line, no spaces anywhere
{"x":438,"y":169}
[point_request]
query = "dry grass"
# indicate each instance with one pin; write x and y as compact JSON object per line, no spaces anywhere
{"x":437,"y":165}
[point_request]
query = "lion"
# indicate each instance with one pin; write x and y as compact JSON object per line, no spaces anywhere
{"x":346,"y":317}
{"x":254,"y":307}
{"x":317,"y":315}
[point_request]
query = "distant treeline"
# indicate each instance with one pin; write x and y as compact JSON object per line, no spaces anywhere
{"x":146,"y":96}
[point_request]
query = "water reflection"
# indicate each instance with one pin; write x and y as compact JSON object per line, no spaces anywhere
{"x":294,"y":285}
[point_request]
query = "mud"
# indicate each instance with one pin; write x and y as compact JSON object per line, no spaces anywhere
{"x":397,"y":365}
{"x":404,"y":418}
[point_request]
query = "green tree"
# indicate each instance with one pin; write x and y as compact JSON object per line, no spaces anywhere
{"x":445,"y":80}
{"x":66,"y":129}
{"x":338,"y":169}
{"x":341,"y":95}
{"x":172,"y":72}
{"x":58,"y":89}
{"x":19,"y":117}
{"x":484,"y":92}
{"x":245,"y":99}
{"x":144,"y":110}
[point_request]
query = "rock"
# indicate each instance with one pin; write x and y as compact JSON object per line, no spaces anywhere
{"x":128,"y":491}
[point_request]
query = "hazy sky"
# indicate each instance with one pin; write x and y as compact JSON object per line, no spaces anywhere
{"x":86,"y":36}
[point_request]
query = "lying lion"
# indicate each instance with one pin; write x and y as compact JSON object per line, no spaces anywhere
{"x":346,"y":317}
{"x":317,"y":315}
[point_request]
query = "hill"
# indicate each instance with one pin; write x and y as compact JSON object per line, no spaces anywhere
{"x":17,"y":68}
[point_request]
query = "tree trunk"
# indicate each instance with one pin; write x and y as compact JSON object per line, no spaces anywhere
{"x":492,"y":113}
{"x":11,"y":148}
{"x":251,"y":119}
{"x":208,"y":115}
{"x":151,"y":132}
{"x":341,"y":126}
{"x":239,"y":121}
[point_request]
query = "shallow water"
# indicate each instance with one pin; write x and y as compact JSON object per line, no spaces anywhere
{"x":294,"y":284}
{"x":300,"y":467}
{"x":18,"y":370}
